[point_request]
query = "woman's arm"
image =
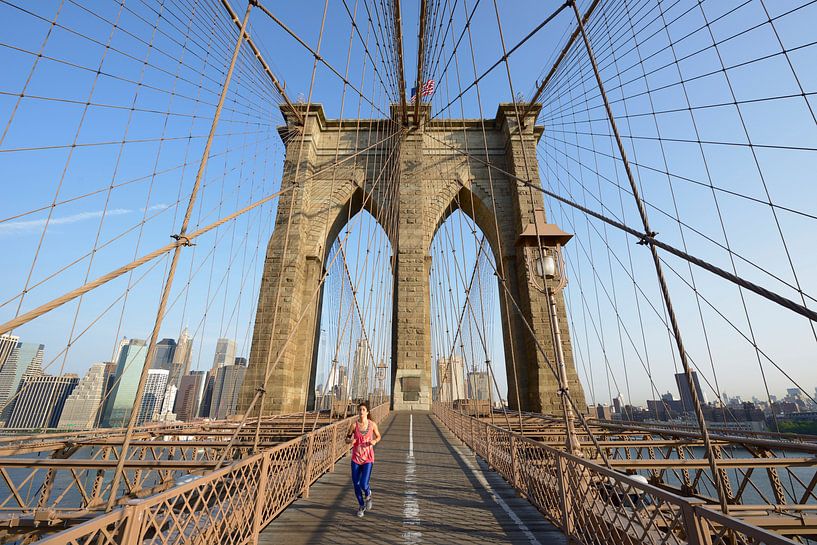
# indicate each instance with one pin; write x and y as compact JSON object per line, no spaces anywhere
{"x":376,"y":433}
{"x":350,"y":433}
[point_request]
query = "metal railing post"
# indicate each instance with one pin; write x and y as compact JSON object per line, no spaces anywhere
{"x":260,"y":497}
{"x":134,"y":515}
{"x":334,"y":448}
{"x":693,"y":526}
{"x":514,"y":463}
{"x":308,"y":466}
{"x":488,"y":456}
{"x":565,"y":496}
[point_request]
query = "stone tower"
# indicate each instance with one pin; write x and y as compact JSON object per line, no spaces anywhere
{"x":410,"y":180}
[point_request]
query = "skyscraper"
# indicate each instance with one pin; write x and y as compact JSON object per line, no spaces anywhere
{"x":165,"y":350}
{"x":168,"y":402}
{"x":341,"y":386}
{"x":360,"y":370}
{"x":25,"y":360}
{"x":123,"y":394}
{"x":479,"y":387}
{"x":207,"y":394}
{"x":451,"y":378}
{"x":7,"y":344}
{"x":226,"y":387}
{"x":7,"y":372}
{"x":181,"y":358}
{"x":153,"y":396}
{"x":188,"y":397}
{"x":81,"y":407}
{"x":225,"y":353}
{"x":685,"y":392}
{"x":41,"y":400}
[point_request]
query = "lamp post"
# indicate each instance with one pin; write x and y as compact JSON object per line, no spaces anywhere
{"x":546,"y":267}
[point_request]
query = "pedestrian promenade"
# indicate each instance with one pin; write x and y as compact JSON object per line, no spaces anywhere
{"x":427,"y":487}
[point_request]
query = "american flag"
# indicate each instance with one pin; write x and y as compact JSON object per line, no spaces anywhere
{"x":428,"y":89}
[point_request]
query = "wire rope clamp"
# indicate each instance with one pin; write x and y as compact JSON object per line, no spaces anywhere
{"x":646,"y":238}
{"x":182,"y":240}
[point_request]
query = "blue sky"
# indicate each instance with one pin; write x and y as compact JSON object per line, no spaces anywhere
{"x":178,"y":69}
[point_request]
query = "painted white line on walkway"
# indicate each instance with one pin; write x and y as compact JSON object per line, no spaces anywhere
{"x":477,"y":472}
{"x":411,"y":507}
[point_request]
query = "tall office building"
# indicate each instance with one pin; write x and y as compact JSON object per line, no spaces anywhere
{"x":7,"y":372}
{"x":226,"y":387}
{"x":81,"y":407}
{"x":207,"y":394}
{"x":451,"y":378}
{"x":164,"y":354}
{"x":41,"y":400}
{"x":479,"y":386}
{"x":685,"y":392}
{"x":153,"y":396}
{"x":225,"y":353}
{"x":188,"y":397}
{"x":360,"y":370}
{"x":7,"y":344}
{"x":122,"y":396}
{"x":181,"y":358}
{"x":169,"y":402}
{"x":24,"y":360}
{"x":341,"y":386}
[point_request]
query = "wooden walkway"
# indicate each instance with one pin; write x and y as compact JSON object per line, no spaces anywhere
{"x":441,"y":494}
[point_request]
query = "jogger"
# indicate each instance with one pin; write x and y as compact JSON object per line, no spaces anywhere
{"x":364,"y":435}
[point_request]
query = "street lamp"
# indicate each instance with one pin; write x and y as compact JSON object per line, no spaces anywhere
{"x":542,"y":243}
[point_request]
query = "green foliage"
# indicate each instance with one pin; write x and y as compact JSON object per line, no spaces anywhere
{"x":802,"y":427}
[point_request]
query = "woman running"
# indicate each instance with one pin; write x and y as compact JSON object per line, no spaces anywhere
{"x":364,"y":435}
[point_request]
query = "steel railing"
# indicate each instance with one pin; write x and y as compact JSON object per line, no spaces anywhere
{"x":595,"y":505}
{"x":228,"y":506}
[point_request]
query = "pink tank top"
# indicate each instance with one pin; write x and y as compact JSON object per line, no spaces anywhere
{"x":362,"y":453}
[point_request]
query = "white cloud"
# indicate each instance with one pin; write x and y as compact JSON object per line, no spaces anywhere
{"x":34,"y":226}
{"x":153,"y":208}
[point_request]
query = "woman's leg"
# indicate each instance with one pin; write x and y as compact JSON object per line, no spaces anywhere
{"x":357,"y":473}
{"x":365,"y":474}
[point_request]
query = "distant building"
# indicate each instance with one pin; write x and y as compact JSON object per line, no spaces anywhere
{"x":188,"y":396}
{"x":168,"y":402}
{"x":618,"y":403}
{"x":207,"y":394}
{"x":181,"y":358}
{"x":82,"y":406}
{"x":153,"y":396}
{"x":41,"y":400}
{"x":341,"y":386}
{"x":360,"y":370}
{"x":9,"y":377}
{"x":604,"y":412}
{"x":25,"y":360}
{"x":686,"y":394}
{"x":118,"y":406}
{"x":240,"y":360}
{"x":225,"y":353}
{"x":226,"y":387}
{"x":451,"y":378}
{"x":479,"y":387}
{"x":165,"y":349}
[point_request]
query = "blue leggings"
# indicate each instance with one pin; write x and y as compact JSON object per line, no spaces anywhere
{"x":360,"y":478}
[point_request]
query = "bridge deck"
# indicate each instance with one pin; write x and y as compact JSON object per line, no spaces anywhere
{"x":441,"y":495}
